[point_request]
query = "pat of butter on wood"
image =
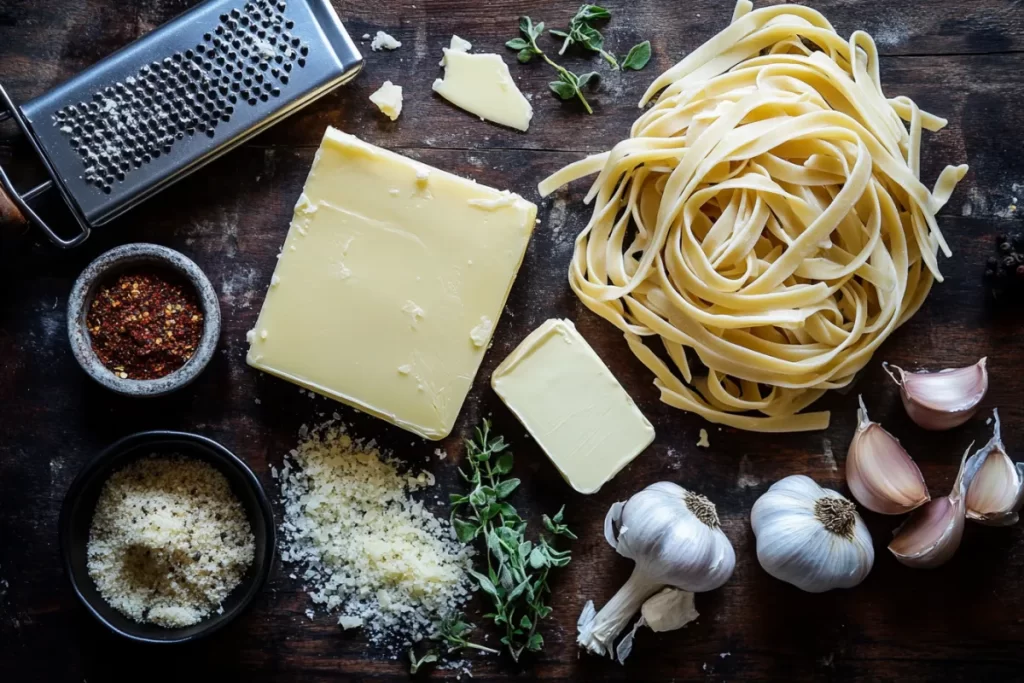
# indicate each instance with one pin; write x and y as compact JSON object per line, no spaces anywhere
{"x":572,"y":405}
{"x":376,"y":304}
{"x":482,"y":85}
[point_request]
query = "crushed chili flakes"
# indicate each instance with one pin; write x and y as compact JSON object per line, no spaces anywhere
{"x":145,"y":324}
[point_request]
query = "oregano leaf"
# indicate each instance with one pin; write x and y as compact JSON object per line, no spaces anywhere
{"x":638,"y":56}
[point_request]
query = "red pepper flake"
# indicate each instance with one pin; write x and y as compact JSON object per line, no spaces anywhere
{"x":145,"y":324}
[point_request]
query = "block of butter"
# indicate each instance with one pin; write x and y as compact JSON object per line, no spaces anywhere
{"x":571,"y":404}
{"x":389,"y":284}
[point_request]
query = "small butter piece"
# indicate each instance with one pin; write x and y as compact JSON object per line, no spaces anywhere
{"x":482,"y":85}
{"x":571,"y":404}
{"x":388,"y":99}
{"x":383,"y":41}
{"x":373,"y":304}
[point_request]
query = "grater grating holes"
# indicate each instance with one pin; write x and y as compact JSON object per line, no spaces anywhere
{"x":131,"y":123}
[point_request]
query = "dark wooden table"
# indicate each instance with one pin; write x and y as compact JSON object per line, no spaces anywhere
{"x":963,"y":61}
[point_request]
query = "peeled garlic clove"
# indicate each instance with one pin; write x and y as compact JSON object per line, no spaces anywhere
{"x":931,"y":536}
{"x":996,"y":491}
{"x":941,"y":400}
{"x":881,"y":475}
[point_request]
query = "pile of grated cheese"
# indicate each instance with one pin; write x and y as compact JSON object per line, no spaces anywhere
{"x":169,"y":541}
{"x":369,"y":550}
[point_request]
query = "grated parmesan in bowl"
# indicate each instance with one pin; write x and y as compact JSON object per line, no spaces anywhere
{"x":168,"y":541}
{"x":366,"y":549}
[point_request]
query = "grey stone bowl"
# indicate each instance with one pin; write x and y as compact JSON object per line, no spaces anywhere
{"x":130,"y":256}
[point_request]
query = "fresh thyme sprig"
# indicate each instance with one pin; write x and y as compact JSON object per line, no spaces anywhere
{"x":517,"y":569}
{"x":568,"y":85}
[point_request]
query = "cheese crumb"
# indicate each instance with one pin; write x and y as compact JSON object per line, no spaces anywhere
{"x":504,"y":198}
{"x":370,"y":550}
{"x":349,"y":622}
{"x":382,"y":41}
{"x":482,"y":331}
{"x":388,"y":99}
{"x":703,"y":442}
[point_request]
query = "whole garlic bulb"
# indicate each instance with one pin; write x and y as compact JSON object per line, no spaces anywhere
{"x":674,"y":537}
{"x":811,"y":537}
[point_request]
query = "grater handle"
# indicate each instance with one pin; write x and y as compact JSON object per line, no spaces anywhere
{"x":14,"y":206}
{"x":10,"y":214}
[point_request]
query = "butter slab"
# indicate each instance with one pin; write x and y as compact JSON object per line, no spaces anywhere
{"x":389,"y":284}
{"x":572,"y":405}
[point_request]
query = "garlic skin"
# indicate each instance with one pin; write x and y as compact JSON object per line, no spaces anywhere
{"x":930,"y":537}
{"x":881,"y":475}
{"x":941,"y":400}
{"x":675,"y":538}
{"x":810,"y":536}
{"x":996,"y":490}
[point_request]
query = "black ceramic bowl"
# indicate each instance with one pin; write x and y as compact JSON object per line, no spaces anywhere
{"x":80,"y":503}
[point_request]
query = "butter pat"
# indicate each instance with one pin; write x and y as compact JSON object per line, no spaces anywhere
{"x":388,"y":99}
{"x":482,"y":85}
{"x":387,"y":284}
{"x":571,"y":404}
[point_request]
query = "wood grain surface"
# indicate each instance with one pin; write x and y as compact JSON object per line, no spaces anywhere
{"x":962,"y":622}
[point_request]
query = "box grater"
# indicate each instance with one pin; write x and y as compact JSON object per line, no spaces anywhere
{"x":160,"y":108}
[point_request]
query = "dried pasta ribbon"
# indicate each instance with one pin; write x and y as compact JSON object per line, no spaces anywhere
{"x":766,"y":213}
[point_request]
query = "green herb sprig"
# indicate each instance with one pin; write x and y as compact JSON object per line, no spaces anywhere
{"x":517,"y":569}
{"x":582,"y":32}
{"x":568,"y":85}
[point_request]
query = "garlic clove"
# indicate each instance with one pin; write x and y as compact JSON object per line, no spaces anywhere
{"x":669,"y":609}
{"x":996,"y":490}
{"x":941,"y":400}
{"x":880,"y":473}
{"x":931,"y":536}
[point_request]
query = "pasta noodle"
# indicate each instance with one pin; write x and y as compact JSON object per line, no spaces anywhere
{"x":765,"y":213}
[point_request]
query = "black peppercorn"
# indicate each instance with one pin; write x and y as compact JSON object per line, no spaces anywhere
{"x":1005,"y":273}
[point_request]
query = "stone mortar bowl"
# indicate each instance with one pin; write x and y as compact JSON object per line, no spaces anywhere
{"x":108,"y":265}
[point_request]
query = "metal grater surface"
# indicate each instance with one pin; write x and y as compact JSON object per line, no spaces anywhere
{"x":184,"y":94}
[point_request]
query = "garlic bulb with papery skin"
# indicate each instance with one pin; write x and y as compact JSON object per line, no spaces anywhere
{"x":881,"y":475}
{"x":941,"y":400}
{"x":932,"y":534}
{"x":675,"y":538}
{"x":996,"y":490}
{"x":811,"y":537}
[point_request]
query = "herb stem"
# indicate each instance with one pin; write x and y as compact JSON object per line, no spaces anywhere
{"x":562,"y":70}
